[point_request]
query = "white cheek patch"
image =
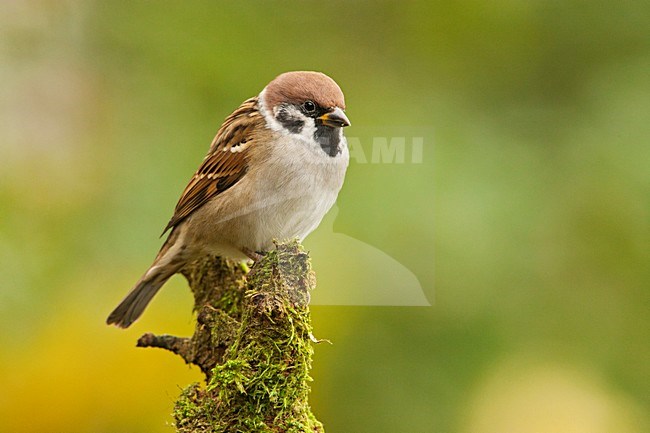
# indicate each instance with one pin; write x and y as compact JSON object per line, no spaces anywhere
{"x":303,"y":140}
{"x":308,"y":129}
{"x":308,"y":124}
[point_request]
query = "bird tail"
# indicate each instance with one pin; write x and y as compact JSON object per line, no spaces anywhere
{"x":167,"y":263}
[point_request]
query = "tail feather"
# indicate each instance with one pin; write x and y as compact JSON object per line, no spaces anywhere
{"x":167,"y":263}
{"x":132,"y":306}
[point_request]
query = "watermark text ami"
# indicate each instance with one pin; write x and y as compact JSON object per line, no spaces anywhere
{"x":386,"y":150}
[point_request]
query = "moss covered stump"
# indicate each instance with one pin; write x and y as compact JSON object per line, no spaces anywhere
{"x":253,"y":341}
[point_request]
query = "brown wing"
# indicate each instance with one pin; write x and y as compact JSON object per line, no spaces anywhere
{"x":225,"y":163}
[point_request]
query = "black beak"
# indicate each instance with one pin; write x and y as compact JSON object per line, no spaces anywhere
{"x":335,"y":118}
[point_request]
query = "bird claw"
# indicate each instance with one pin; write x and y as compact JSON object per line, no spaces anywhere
{"x":253,"y":255}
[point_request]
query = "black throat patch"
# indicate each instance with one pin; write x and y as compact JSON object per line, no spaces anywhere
{"x":329,"y":139}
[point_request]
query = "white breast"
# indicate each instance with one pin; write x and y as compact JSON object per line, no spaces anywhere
{"x":296,"y":188}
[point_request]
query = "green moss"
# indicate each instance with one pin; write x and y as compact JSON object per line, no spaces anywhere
{"x":217,"y":282}
{"x":262,"y":384}
{"x":193,"y":412}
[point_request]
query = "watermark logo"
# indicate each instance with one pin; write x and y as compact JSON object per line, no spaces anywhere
{"x":349,"y":270}
{"x":389,"y":145}
{"x":353,"y":272}
{"x":387,"y":150}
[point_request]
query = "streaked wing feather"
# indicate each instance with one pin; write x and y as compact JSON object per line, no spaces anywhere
{"x":224,"y":164}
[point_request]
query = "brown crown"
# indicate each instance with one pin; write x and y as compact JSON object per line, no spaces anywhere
{"x":300,"y":86}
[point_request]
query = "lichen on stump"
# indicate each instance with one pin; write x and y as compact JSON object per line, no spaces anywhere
{"x":253,"y":341}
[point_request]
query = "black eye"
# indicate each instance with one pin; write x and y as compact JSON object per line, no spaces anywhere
{"x":309,"y":106}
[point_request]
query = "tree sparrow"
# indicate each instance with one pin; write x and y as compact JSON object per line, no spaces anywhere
{"x":273,"y":170}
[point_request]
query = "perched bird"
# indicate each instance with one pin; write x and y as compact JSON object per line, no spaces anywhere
{"x":273,"y":170}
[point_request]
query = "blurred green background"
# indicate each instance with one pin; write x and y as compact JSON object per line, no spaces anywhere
{"x":526,"y":224}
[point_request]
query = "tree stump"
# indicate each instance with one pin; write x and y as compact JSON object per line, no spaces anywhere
{"x":253,"y":341}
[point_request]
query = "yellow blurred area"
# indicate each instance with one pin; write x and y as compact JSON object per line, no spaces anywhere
{"x":533,"y":396}
{"x":72,"y":377}
{"x":76,"y":374}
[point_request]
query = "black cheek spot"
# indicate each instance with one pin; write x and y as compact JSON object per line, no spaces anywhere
{"x":329,"y":139}
{"x":291,"y":124}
